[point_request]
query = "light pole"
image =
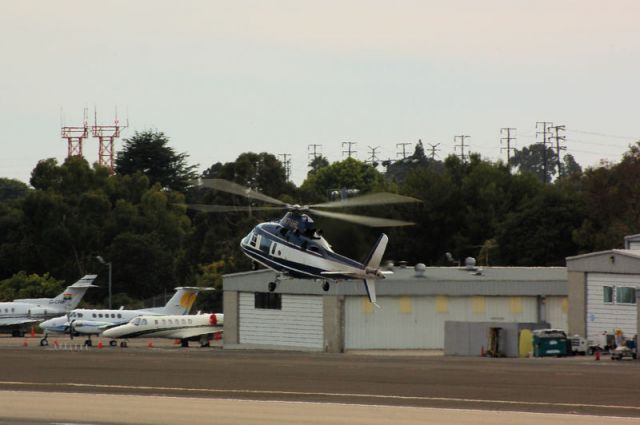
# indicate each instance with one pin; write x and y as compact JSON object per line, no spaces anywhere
{"x":101,"y":260}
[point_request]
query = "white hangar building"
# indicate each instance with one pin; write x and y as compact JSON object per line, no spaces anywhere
{"x":414,"y":307}
{"x":602,"y":291}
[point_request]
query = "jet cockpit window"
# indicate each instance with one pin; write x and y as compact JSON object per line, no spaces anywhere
{"x":143,"y":322}
{"x":135,"y":321}
{"x":79,"y":314}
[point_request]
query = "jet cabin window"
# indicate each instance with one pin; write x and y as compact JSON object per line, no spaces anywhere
{"x":268,"y":300}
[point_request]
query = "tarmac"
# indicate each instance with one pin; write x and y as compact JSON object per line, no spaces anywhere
{"x":395,"y":383}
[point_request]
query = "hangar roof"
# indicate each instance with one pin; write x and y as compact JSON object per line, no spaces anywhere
{"x":624,"y":261}
{"x":455,"y":281}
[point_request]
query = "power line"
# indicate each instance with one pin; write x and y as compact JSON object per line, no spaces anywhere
{"x":612,"y":136}
{"x":404,"y":149}
{"x":461,"y":146}
{"x":545,"y":130}
{"x":349,"y":151}
{"x":508,"y":139}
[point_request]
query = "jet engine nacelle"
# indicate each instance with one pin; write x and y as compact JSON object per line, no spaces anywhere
{"x":38,"y":312}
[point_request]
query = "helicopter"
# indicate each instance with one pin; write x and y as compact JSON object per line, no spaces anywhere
{"x":294,"y":248}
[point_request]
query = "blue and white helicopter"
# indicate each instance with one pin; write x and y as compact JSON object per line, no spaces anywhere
{"x":293,"y":247}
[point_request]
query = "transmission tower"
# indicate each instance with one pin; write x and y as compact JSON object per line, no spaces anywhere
{"x":314,"y":154}
{"x":403,"y":146}
{"x":558,"y":138}
{"x":286,"y":163}
{"x":373,"y":159}
{"x":349,"y":151}
{"x":75,"y":136}
{"x":508,"y":138}
{"x":106,"y":135}
{"x":545,"y":131}
{"x":434,"y":149}
{"x":461,"y":138}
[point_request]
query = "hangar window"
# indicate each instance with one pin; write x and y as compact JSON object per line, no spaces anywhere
{"x":607,"y":294}
{"x":625,"y":295}
{"x":268,"y":300}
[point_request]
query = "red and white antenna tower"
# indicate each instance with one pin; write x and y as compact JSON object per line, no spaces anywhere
{"x":106,"y":135}
{"x":75,"y":137}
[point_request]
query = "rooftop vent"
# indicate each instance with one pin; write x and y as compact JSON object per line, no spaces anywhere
{"x":470,"y":263}
{"x":388,"y":265}
{"x":420,"y":269}
{"x":402,"y":264}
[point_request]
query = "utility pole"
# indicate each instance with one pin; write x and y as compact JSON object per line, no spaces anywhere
{"x":373,"y":159}
{"x":434,"y":149}
{"x":349,"y":151}
{"x":313,"y":155}
{"x":286,"y":163}
{"x":558,"y":138}
{"x":404,"y":149}
{"x":508,"y":138}
{"x":545,"y":130}
{"x":461,"y":146}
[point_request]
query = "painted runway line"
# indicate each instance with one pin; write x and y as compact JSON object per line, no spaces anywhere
{"x":321,"y":394}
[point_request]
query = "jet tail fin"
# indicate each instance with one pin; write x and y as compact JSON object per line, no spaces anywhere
{"x":182,"y":300}
{"x":73,"y":294}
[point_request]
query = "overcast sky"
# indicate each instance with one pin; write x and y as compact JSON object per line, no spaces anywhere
{"x":225,"y":77}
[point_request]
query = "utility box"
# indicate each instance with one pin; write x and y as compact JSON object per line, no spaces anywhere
{"x":549,"y":343}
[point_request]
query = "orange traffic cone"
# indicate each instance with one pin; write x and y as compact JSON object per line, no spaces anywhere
{"x":25,"y":343}
{"x":100,"y":345}
{"x":55,"y":343}
{"x":177,"y":342}
{"x":597,"y":354}
{"x":33,"y":331}
{"x":150,"y":344}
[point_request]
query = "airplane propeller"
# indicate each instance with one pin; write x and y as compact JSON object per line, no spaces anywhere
{"x":381,"y":198}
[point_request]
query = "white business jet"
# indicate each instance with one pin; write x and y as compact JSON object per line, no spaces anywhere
{"x":21,"y":313}
{"x":198,"y":327}
{"x":90,"y":322}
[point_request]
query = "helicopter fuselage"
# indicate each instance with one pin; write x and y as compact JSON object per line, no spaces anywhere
{"x":294,"y":248}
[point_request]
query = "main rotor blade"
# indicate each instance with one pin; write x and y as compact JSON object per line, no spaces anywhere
{"x":363,"y":219}
{"x":369,"y":199}
{"x":237,"y":189}
{"x":227,"y":208}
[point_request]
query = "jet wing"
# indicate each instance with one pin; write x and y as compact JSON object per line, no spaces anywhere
{"x":13,"y":321}
{"x":192,"y":332}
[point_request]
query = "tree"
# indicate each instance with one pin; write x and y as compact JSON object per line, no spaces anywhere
{"x":317,"y":163}
{"x":149,"y":153}
{"x":23,"y":285}
{"x":531,"y":159}
{"x":12,"y":189}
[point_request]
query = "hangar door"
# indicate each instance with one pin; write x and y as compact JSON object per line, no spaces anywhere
{"x":418,"y":322}
{"x":281,"y":319}
{"x":611,"y":304}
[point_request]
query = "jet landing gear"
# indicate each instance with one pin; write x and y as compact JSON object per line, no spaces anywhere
{"x":44,"y":341}
{"x":113,"y":343}
{"x":88,"y":342}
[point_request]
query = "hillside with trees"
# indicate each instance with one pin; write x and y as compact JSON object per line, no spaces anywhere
{"x":52,"y":228}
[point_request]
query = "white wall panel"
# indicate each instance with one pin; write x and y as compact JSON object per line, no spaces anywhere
{"x":393,"y":327}
{"x":297,"y":324}
{"x":608,"y":317}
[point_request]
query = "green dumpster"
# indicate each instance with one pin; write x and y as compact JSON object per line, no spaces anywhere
{"x":549,"y":343}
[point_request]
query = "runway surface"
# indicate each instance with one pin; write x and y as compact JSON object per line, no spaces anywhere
{"x":386,"y":381}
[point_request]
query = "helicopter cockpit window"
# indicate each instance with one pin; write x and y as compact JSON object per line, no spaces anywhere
{"x":254,"y":239}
